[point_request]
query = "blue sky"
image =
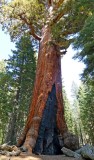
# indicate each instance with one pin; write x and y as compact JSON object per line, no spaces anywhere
{"x":5,"y":45}
{"x":71,"y":69}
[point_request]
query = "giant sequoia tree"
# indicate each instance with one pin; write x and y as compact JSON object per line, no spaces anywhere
{"x":51,"y":22}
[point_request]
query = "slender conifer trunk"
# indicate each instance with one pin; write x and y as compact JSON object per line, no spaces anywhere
{"x":48,"y":83}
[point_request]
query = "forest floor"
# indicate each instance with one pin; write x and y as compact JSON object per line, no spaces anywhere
{"x":34,"y":157}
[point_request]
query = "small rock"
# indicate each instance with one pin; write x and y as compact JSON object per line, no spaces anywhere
{"x":70,"y":153}
{"x":87,"y":151}
{"x":71,"y":141}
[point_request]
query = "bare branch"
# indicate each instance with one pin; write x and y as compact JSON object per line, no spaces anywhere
{"x":31,"y":27}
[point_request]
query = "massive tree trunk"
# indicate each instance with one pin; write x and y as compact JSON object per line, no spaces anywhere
{"x":46,"y":117}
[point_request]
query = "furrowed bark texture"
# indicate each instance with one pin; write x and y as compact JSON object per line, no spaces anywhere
{"x":48,"y":75}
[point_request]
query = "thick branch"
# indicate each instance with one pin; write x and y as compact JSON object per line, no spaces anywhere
{"x":32,"y":31}
{"x":58,"y":4}
{"x":70,"y":32}
{"x":31,"y":27}
{"x":60,"y":14}
{"x":49,"y":2}
{"x":63,"y":44}
{"x":57,"y":18}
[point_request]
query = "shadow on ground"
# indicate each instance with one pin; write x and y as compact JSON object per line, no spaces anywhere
{"x":34,"y":157}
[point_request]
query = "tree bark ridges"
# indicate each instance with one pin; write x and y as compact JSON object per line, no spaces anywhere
{"x":48,"y":73}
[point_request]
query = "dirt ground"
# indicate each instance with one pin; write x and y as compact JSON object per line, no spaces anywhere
{"x":34,"y":157}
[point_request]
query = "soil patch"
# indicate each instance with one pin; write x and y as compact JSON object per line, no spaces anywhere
{"x":34,"y":157}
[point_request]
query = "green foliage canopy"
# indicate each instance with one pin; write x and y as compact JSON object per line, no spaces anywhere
{"x":65,"y":17}
{"x":85,"y":45}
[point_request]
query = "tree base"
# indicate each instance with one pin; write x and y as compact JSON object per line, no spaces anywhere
{"x":47,"y":142}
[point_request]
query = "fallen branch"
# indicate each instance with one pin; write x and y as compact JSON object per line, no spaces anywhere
{"x":9,"y":150}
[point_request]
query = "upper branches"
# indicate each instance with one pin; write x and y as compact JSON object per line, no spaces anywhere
{"x":57,"y":18}
{"x":31,"y":27}
{"x":31,"y":16}
{"x":21,"y":16}
{"x":58,"y":4}
{"x":61,"y":8}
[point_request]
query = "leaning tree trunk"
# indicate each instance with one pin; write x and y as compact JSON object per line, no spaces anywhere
{"x":46,"y":117}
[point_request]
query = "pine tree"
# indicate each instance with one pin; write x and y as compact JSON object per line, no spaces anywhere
{"x":5,"y":98}
{"x":68,"y":112}
{"x":21,"y":68}
{"x":78,"y":128}
{"x":86,"y":99}
{"x":85,"y":45}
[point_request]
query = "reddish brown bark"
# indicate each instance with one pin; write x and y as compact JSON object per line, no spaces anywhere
{"x":48,"y":73}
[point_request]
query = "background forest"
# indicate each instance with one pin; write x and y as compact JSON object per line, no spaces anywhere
{"x":17,"y":75}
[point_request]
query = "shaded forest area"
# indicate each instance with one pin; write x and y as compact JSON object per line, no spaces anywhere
{"x":17,"y":74}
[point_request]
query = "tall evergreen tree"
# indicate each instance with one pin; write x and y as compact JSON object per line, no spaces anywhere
{"x":68,"y":112}
{"x":86,"y":101}
{"x":5,"y":98}
{"x":85,"y":45}
{"x":78,"y":130}
{"x":21,"y":68}
{"x":52,"y":22}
